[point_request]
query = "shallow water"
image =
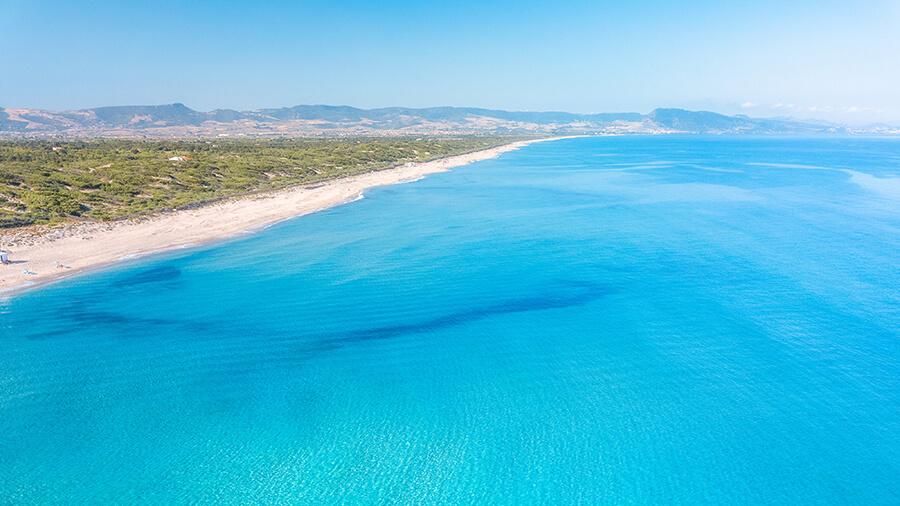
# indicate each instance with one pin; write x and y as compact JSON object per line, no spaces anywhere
{"x":596,"y":320}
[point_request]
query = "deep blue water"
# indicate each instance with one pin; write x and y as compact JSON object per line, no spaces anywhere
{"x":630,"y":320}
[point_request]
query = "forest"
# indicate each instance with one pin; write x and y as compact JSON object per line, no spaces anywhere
{"x":48,"y":181}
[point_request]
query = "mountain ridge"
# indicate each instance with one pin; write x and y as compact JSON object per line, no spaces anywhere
{"x":326,"y":120}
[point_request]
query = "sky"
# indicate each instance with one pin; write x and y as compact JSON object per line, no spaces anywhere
{"x":825,"y":59}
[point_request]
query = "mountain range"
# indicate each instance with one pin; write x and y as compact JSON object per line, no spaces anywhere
{"x":323,"y":120}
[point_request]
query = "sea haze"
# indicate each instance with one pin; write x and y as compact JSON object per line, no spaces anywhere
{"x":612,"y":320}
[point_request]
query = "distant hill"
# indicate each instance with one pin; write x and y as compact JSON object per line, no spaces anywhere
{"x":325,"y":120}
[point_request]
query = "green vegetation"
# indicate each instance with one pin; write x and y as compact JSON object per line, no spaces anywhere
{"x":47,"y":181}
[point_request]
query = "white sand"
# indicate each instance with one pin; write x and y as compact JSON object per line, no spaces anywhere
{"x":87,"y":245}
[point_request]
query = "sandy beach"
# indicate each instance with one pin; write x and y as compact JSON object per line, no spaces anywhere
{"x":71,"y":248}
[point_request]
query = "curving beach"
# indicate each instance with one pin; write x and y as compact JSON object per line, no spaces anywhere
{"x":71,"y":248}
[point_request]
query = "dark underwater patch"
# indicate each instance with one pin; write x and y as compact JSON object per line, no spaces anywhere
{"x":125,"y":324}
{"x":570,"y":294}
{"x":157,"y":275}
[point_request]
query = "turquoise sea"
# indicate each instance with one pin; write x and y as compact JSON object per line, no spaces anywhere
{"x":619,"y":320}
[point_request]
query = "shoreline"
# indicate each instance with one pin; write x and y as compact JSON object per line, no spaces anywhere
{"x":84,"y":247}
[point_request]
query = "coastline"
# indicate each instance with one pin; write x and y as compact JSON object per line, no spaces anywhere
{"x":87,"y":246}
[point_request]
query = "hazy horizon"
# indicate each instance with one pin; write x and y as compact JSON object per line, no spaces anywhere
{"x":824,"y":60}
{"x":644,"y":113}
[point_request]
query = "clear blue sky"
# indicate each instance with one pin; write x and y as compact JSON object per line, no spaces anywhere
{"x":827,"y":59}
